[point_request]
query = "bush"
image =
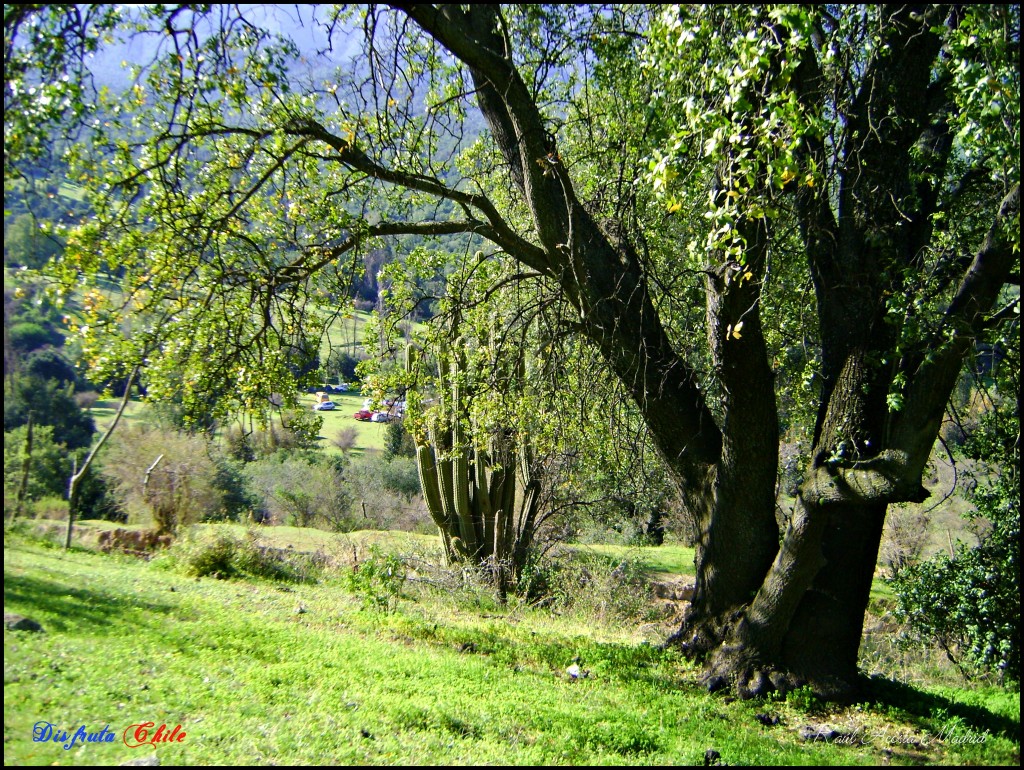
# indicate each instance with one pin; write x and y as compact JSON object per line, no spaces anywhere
{"x":378,"y":580}
{"x":389,"y":493}
{"x":184,"y":487}
{"x":401,"y":477}
{"x":303,"y":489}
{"x":223,"y":555}
{"x":969,"y":605}
{"x":346,"y":439}
{"x":590,"y":585}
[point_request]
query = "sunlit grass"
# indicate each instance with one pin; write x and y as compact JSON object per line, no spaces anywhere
{"x":264,"y":673}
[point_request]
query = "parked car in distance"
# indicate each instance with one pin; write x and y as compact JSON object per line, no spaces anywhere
{"x":364,"y":414}
{"x":324,"y":406}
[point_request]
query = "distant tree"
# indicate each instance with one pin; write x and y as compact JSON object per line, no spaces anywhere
{"x":27,"y":336}
{"x":52,"y":404}
{"x":49,"y":471}
{"x":50,"y":466}
{"x":343,"y":364}
{"x":50,"y":364}
{"x":398,"y":442}
{"x":25,"y":245}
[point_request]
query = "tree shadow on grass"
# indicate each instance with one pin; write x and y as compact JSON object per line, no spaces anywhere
{"x":924,"y":705}
{"x":60,"y":607}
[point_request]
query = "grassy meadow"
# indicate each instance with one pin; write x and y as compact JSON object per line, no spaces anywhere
{"x":376,"y":658}
{"x":368,"y":436}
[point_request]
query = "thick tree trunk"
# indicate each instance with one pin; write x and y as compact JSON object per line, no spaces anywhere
{"x":824,"y":637}
{"x":769,"y":616}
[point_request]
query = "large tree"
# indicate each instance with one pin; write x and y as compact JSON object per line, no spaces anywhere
{"x":874,"y":149}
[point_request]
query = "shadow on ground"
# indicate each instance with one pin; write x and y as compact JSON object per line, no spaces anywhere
{"x":61,"y":607}
{"x":925,"y":705}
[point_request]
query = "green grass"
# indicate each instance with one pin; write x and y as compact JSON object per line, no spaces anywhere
{"x":443,"y":677}
{"x":345,"y":332}
{"x":369,"y":435}
{"x":104,"y":411}
{"x":662,"y":560}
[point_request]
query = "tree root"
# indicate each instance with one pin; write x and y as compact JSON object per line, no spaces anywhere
{"x":730,"y":667}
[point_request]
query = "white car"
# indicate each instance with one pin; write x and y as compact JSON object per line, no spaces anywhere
{"x":324,"y":406}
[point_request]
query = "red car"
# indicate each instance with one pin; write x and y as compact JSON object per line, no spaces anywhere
{"x":364,"y":415}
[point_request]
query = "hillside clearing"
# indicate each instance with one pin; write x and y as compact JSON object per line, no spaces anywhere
{"x":268,"y":673}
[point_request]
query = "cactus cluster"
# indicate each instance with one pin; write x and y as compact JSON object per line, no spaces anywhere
{"x":483,"y":499}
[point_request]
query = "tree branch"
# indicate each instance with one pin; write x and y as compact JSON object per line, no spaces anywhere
{"x":499,"y":232}
{"x":76,"y":476}
{"x":890,"y":477}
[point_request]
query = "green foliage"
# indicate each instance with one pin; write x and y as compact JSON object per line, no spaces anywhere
{"x":806,"y":700}
{"x":224,"y":556}
{"x":50,"y":403}
{"x":377,"y":580}
{"x":238,"y":502}
{"x":296,"y":430}
{"x":44,"y":79}
{"x":400,"y":476}
{"x":302,"y":489}
{"x":969,"y":603}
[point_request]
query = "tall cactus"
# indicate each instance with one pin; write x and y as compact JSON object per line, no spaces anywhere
{"x":471,"y":492}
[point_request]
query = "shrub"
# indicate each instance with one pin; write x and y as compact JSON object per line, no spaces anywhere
{"x":302,"y":489}
{"x":590,"y":585}
{"x":223,"y":555}
{"x":346,"y":439}
{"x":389,"y":493}
{"x":969,"y":605}
{"x":378,"y":580}
{"x":179,"y":489}
{"x":401,"y":477}
{"x":54,"y":508}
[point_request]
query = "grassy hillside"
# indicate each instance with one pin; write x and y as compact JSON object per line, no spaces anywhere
{"x":257,"y":672}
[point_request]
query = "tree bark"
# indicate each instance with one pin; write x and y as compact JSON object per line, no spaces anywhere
{"x":766,"y":616}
